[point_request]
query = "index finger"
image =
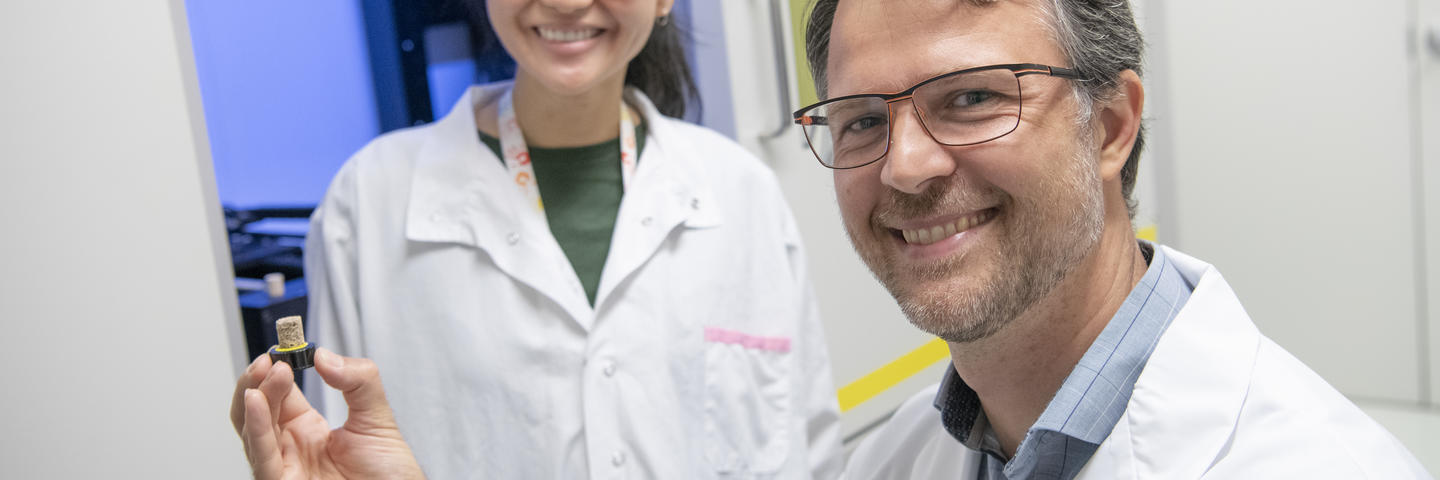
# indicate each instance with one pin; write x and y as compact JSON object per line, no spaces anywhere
{"x":286,"y":400}
{"x":262,"y":447}
{"x":250,"y":378}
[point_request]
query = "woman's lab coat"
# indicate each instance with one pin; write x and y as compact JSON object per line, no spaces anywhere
{"x":1216,"y":400}
{"x":702,"y":358}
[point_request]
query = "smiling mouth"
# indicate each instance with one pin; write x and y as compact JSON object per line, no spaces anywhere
{"x":567,"y":34}
{"x":932,"y":234}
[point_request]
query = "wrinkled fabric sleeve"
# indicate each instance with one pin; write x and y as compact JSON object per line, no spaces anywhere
{"x":333,"y":320}
{"x":821,"y":407}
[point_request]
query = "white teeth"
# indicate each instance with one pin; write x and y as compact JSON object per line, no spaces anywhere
{"x":556,"y":35}
{"x":926,"y":236}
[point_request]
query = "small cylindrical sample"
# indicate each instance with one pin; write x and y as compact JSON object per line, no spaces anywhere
{"x":292,"y":348}
{"x":275,"y":284}
{"x":291,"y":332}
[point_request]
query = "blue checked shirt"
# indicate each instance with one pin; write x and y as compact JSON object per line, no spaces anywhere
{"x":1093,"y":397}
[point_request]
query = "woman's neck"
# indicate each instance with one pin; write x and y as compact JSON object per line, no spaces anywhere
{"x":553,"y":120}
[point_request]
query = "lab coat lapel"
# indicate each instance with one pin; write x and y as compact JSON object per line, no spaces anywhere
{"x":460,"y":194}
{"x":1187,"y":400}
{"x":665,"y":194}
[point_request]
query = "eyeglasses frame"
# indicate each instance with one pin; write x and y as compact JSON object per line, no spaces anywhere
{"x":1019,"y":69}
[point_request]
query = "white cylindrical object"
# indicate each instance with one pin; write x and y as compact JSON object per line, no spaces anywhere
{"x":275,"y":284}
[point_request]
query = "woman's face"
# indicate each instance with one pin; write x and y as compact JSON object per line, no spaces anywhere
{"x":573,"y":46}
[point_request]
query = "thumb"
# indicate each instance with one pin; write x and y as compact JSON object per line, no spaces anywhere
{"x":359,"y":380}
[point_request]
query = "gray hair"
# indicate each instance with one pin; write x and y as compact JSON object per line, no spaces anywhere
{"x":1098,"y":37}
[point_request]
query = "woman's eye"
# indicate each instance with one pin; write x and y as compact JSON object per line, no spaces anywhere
{"x":970,"y":98}
{"x":864,"y":123}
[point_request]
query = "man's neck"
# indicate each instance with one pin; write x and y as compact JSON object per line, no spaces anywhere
{"x":1016,"y":371}
{"x":552,"y":120}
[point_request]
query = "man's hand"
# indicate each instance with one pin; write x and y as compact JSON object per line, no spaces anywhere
{"x":287,"y":438}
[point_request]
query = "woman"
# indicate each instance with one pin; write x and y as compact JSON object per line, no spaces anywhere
{"x":642,"y":312}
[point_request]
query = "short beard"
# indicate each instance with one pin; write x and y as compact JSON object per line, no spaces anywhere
{"x":1032,"y":261}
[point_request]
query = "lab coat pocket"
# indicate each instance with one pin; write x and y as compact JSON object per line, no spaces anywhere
{"x":747,"y":402}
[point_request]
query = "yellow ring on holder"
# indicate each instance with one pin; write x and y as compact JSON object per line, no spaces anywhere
{"x":291,"y":349}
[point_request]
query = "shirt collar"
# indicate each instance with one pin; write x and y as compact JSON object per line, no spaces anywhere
{"x":1093,"y":396}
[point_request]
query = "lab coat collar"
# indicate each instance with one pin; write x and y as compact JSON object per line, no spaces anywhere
{"x":673,"y":167}
{"x":668,"y":191}
{"x":1187,"y":401}
{"x":460,"y":194}
{"x":457,"y":179}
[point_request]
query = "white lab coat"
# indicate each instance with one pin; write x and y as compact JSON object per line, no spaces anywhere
{"x":703,"y":357}
{"x":1216,"y":400}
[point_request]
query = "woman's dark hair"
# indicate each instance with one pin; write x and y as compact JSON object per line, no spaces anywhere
{"x":660,"y":70}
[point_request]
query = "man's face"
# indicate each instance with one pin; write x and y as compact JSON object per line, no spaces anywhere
{"x":1026,"y":208}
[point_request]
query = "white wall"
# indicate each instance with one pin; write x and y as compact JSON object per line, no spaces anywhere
{"x":1427,"y":108}
{"x":1294,"y":158}
{"x":1306,"y":167}
{"x":119,"y":318}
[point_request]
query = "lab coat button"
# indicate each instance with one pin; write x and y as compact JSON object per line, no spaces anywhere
{"x":609,"y":368}
{"x":646,"y":221}
{"x":513,"y":238}
{"x":695,"y":204}
{"x":617,"y":459}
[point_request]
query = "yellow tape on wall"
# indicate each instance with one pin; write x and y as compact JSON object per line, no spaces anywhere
{"x":1147,"y":232}
{"x":883,"y":378}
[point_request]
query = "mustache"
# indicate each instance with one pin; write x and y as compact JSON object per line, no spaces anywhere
{"x":942,"y":197}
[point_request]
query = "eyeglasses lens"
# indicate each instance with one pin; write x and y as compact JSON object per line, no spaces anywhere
{"x":956,"y":110}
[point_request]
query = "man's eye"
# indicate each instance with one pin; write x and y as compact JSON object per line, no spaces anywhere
{"x":864,"y":123}
{"x":972,"y":98}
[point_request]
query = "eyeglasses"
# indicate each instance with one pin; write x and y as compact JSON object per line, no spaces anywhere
{"x":966,"y":107}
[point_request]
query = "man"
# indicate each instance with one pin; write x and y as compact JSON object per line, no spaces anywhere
{"x":1000,"y":221}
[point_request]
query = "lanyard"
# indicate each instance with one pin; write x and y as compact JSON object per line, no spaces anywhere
{"x":517,"y":155}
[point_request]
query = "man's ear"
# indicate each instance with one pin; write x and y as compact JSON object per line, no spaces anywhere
{"x":1119,"y":124}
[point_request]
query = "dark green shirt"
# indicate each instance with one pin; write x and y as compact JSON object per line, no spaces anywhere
{"x":581,"y":189}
